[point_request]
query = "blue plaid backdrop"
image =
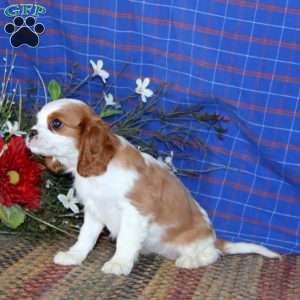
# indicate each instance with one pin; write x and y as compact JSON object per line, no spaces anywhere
{"x":245,"y":53}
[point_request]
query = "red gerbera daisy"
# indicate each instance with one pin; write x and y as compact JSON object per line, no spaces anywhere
{"x":19,"y":175}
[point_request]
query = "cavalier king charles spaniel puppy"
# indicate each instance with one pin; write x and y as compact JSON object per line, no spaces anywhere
{"x":136,"y":197}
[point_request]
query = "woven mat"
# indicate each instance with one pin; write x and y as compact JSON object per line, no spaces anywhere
{"x":27,"y":272}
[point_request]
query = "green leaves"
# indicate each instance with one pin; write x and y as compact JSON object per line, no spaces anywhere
{"x":54,"y":89}
{"x":12,"y":217}
{"x":110,"y":112}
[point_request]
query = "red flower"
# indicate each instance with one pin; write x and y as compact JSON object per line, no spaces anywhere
{"x":19,"y":175}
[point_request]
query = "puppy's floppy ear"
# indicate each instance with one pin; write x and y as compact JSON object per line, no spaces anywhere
{"x":97,"y":147}
{"x":54,"y":165}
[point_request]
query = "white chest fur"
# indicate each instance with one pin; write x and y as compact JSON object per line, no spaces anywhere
{"x":105,"y":195}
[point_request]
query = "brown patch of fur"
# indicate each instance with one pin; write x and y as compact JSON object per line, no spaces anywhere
{"x":72,"y":116}
{"x":128,"y":157}
{"x":97,"y":147}
{"x":159,"y":194}
{"x":54,"y":165}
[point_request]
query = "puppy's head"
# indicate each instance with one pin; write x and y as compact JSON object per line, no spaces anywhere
{"x":71,"y":133}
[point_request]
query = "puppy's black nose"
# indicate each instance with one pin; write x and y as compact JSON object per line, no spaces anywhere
{"x":32,"y":133}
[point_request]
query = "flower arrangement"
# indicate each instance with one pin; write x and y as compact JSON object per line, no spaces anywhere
{"x":27,"y":189}
{"x":19,"y":175}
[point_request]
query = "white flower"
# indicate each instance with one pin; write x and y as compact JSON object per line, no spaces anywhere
{"x":13,"y":128}
{"x":98,"y":71}
{"x":69,"y":201}
{"x":49,"y":183}
{"x":109,"y":100}
{"x":169,"y":162}
{"x":160,"y":159}
{"x":142,"y":90}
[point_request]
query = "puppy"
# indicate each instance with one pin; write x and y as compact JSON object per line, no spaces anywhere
{"x":143,"y":205}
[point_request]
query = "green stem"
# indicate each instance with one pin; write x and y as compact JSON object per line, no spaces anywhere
{"x":80,"y":84}
{"x":43,"y":83}
{"x":8,"y":78}
{"x":48,"y":224}
{"x":20,"y":106}
{"x":8,"y":232}
{"x":108,"y":89}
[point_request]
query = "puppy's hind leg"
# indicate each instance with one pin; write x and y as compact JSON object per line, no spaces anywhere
{"x":199,"y":254}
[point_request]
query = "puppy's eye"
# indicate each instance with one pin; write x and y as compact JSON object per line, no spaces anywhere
{"x":56,"y":124}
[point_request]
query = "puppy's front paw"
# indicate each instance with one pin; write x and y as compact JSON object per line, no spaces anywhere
{"x":67,"y":258}
{"x":117,"y":267}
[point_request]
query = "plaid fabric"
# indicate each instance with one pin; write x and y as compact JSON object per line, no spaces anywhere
{"x":240,"y":55}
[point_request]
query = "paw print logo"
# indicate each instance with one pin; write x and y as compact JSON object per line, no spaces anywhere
{"x":24,"y":32}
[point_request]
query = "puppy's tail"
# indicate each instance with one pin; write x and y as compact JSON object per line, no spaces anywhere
{"x":242,"y":248}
